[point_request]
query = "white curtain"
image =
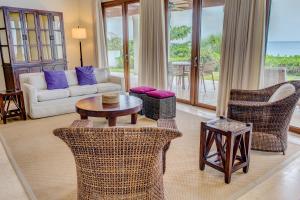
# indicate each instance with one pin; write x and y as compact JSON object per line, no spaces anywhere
{"x":243,"y":48}
{"x":152,"y":55}
{"x":101,"y":47}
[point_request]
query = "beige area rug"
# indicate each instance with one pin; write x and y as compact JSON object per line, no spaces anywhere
{"x":46,"y":166}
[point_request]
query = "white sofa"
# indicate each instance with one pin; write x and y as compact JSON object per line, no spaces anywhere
{"x":40,"y":102}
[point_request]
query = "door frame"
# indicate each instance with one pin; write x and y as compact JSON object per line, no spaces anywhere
{"x":126,"y":57}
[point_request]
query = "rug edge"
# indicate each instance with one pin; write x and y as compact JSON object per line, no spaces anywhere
{"x":27,"y":188}
{"x":266,"y":176}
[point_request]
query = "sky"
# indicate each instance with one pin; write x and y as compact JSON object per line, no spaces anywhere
{"x":285,"y":20}
{"x":284,"y":29}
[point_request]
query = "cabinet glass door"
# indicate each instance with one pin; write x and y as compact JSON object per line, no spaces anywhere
{"x":58,"y":37}
{"x":3,"y":39}
{"x":45,"y":37}
{"x":32,"y":44}
{"x":17,"y":37}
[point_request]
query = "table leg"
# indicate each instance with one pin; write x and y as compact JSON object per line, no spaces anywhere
{"x":247,"y":150}
{"x":202,"y":147}
{"x":228,"y":162}
{"x":83,"y":117}
{"x":22,"y":106}
{"x":2,"y":110}
{"x":134,"y":118}
{"x":112,"y":121}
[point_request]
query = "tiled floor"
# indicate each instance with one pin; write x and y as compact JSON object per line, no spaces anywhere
{"x":10,"y":186}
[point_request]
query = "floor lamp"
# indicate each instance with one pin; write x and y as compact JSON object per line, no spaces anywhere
{"x":79,"y":34}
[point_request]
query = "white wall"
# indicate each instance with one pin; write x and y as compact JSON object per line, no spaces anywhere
{"x":87,"y":20}
{"x":70,"y":9}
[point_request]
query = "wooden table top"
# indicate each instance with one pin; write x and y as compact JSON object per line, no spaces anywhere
{"x":228,"y":125}
{"x":93,"y":106}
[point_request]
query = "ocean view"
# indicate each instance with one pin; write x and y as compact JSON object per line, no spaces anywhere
{"x":283,"y":48}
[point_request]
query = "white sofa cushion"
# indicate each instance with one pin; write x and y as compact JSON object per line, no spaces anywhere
{"x":46,"y":95}
{"x":102,"y":75}
{"x":282,"y":92}
{"x":108,"y":87}
{"x":38,"y":81}
{"x":71,"y":77}
{"x":80,"y":90}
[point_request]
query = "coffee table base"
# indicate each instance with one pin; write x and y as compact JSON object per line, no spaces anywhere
{"x":112,"y":121}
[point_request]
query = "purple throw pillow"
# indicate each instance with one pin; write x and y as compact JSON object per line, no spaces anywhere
{"x":56,"y":80}
{"x":85,"y":75}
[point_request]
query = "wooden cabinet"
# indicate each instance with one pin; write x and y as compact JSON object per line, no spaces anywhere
{"x":30,"y":41}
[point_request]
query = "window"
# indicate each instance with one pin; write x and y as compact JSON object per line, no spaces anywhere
{"x":282,"y":61}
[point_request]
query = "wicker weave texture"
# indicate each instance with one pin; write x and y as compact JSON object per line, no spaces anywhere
{"x":160,"y":108}
{"x":118,"y":163}
{"x":141,"y":96}
{"x":171,"y":124}
{"x":82,"y":124}
{"x":270,"y":120}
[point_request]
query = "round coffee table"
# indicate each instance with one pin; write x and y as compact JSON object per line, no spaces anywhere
{"x":93,"y":107}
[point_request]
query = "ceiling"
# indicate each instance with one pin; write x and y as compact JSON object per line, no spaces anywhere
{"x":175,"y":5}
{"x":178,"y":5}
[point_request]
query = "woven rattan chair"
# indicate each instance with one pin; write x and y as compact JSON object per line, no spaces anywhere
{"x":166,"y":123}
{"x":118,"y":163}
{"x":270,"y":120}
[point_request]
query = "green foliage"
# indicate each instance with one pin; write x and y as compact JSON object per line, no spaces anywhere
{"x":179,"y":32}
{"x":289,"y":62}
{"x":211,"y":49}
{"x":115,"y":44}
{"x":131,"y":56}
{"x":180,"y":52}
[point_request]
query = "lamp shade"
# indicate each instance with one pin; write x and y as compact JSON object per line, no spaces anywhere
{"x":79,"y":33}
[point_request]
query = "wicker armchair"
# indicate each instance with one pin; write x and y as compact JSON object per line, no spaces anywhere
{"x":171,"y":124}
{"x":270,"y":120}
{"x":118,"y":163}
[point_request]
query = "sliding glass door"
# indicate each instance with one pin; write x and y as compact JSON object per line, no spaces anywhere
{"x":180,"y":26}
{"x":122,"y":30}
{"x":194,"y":49}
{"x":114,"y":39}
{"x":282,"y":61}
{"x":211,"y":18}
{"x":133,"y":19}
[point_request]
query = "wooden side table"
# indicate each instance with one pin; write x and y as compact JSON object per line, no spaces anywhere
{"x":12,"y":105}
{"x":230,"y":138}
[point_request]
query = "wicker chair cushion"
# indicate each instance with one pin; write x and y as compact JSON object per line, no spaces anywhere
{"x":142,"y":89}
{"x":282,"y":92}
{"x":161,"y":94}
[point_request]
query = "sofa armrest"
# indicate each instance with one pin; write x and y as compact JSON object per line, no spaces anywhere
{"x":30,"y":92}
{"x":118,"y":80}
{"x":30,"y":95}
